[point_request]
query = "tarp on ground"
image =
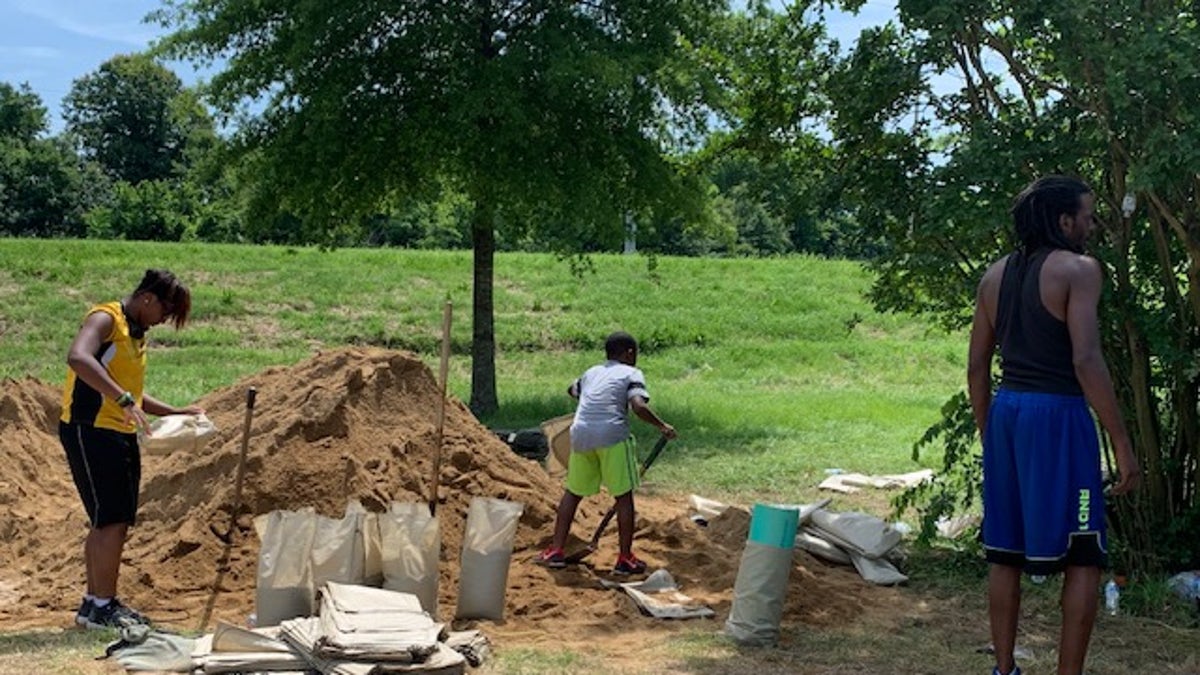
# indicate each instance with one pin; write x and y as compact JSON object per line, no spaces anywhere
{"x":658,"y":596}
{"x":849,"y":483}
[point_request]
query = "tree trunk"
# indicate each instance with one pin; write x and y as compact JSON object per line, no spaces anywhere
{"x":483,"y":328}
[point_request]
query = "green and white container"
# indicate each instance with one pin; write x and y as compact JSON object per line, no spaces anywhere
{"x":762,"y":580}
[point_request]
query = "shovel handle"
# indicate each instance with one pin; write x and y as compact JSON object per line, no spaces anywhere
{"x":251,"y":395}
{"x":654,"y":453}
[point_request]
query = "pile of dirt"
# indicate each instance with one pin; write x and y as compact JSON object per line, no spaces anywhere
{"x":346,"y":424}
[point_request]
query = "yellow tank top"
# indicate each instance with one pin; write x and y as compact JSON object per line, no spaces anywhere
{"x":124,"y":357}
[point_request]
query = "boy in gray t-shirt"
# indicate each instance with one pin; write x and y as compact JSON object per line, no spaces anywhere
{"x":602,"y":449}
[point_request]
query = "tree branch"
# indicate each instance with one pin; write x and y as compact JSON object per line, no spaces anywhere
{"x":972,"y":91}
{"x":1026,"y":78}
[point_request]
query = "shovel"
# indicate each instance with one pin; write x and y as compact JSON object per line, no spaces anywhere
{"x":578,"y":556}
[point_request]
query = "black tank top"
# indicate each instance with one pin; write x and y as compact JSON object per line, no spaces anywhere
{"x":1035,"y":346}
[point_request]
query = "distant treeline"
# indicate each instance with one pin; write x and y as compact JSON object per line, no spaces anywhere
{"x":140,"y":158}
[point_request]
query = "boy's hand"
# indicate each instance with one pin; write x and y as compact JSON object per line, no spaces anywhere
{"x":667,"y":430}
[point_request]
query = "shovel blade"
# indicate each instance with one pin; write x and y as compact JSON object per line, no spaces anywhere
{"x":578,"y":556}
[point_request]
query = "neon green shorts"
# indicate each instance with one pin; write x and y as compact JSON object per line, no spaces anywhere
{"x":614,"y":467}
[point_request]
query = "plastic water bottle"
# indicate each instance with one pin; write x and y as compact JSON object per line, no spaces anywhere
{"x":1112,"y":597}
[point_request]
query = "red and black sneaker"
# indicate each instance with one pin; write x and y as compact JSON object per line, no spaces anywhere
{"x":553,"y":557}
{"x":629,"y":564}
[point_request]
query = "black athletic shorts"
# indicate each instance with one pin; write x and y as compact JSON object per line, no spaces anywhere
{"x":107,"y":468}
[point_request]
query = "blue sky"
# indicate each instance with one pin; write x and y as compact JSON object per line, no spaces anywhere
{"x":51,"y":43}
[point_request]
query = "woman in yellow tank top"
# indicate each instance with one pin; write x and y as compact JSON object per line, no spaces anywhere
{"x":104,"y":404}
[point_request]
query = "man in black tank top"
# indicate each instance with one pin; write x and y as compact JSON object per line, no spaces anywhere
{"x":1043,"y":500}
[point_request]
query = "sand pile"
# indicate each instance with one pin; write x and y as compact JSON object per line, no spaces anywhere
{"x":354,"y":423}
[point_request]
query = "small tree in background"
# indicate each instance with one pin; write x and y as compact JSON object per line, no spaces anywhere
{"x":41,"y":184}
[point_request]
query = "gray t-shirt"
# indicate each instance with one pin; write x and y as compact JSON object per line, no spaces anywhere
{"x":602,"y":416}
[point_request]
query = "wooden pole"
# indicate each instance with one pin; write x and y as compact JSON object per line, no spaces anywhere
{"x":229,"y":537}
{"x":441,"y":417}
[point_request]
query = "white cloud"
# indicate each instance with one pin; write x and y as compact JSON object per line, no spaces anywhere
{"x":115,"y":21}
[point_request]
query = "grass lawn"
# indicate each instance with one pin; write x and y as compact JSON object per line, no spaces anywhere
{"x":772,"y":370}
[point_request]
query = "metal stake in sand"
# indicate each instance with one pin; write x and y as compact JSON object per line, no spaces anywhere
{"x":251,"y":394}
{"x":441,"y":418}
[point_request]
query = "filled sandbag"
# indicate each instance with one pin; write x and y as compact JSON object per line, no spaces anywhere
{"x":486,"y":554}
{"x":283,"y":588}
{"x":860,"y":532}
{"x":811,"y":541}
{"x":372,"y":544}
{"x":338,"y":549}
{"x":411,"y":543}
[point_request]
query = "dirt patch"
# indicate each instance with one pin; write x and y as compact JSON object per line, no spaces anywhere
{"x":354,"y":423}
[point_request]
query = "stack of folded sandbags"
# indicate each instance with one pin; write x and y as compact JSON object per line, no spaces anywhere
{"x":230,"y":649}
{"x":857,"y":539}
{"x":362,"y":631}
{"x":863,"y":539}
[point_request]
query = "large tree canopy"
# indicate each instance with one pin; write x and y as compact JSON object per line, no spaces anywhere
{"x":541,"y":113}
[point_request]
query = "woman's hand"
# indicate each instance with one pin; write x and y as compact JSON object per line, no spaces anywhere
{"x":137,"y":417}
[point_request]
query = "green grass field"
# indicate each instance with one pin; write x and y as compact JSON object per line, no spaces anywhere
{"x":772,"y":370}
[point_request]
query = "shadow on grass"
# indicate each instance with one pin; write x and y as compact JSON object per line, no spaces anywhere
{"x":527,"y":412}
{"x":945,"y":570}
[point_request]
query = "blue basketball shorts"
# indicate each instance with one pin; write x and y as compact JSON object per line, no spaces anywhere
{"x":1043,"y":498}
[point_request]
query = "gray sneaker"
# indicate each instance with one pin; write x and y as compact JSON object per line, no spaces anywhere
{"x":114,"y":615}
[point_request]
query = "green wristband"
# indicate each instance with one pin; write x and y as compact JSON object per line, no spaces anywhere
{"x":125,"y":399}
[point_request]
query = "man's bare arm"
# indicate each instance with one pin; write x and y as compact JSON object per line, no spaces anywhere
{"x":979,"y":354}
{"x":1083,"y":298}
